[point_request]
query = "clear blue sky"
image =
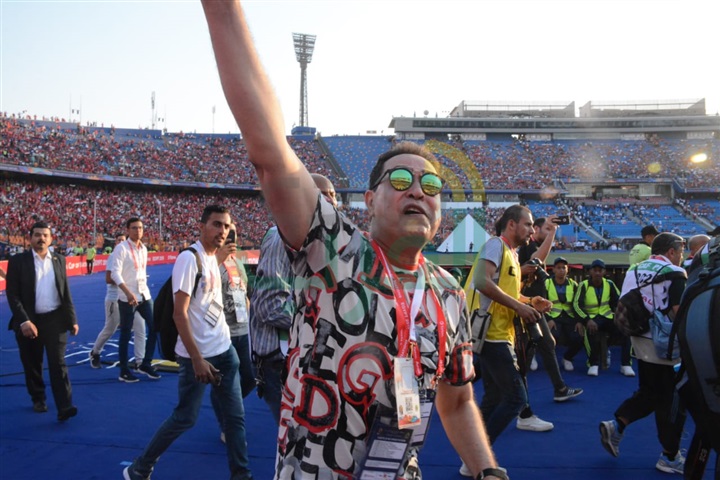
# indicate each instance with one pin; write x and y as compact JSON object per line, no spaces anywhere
{"x":373,"y":59}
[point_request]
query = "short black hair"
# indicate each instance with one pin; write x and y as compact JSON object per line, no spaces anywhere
{"x":39,"y":224}
{"x":664,"y":241}
{"x":400,"y":149}
{"x":131,"y":221}
{"x":539,"y":222}
{"x":514,"y":213}
{"x":210,"y":209}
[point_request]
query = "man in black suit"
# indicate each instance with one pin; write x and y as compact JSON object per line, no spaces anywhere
{"x":42,"y":313}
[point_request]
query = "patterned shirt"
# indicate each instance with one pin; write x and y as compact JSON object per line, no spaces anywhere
{"x":342,"y":343}
{"x":270,"y":305}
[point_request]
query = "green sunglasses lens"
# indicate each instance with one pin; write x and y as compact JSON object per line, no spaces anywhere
{"x":401,"y":179}
{"x":431,"y":184}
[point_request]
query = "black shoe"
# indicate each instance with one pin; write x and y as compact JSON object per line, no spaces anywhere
{"x":67,"y":413}
{"x":128,"y":377}
{"x":95,"y":360}
{"x":40,"y":406}
{"x":150,"y":371}
{"x":567,"y":394}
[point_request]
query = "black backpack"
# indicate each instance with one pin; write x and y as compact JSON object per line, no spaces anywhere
{"x":697,"y":325}
{"x":163,"y":309}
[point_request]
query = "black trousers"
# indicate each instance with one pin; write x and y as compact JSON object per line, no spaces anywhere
{"x":615,"y":337}
{"x":51,"y":339}
{"x":656,"y":394}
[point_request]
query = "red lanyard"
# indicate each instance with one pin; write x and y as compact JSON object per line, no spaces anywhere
{"x":403,"y":317}
{"x":233,"y":272}
{"x":133,"y":248}
{"x":514,"y":252}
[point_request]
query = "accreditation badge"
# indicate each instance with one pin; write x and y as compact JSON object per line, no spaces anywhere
{"x":386,"y":449}
{"x":240,"y":301}
{"x":212,"y":316}
{"x":407,"y":394}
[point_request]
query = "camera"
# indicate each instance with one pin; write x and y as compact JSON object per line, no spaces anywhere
{"x":540,"y":272}
{"x":231,"y":237}
{"x":562,"y":220}
{"x":533,"y":331}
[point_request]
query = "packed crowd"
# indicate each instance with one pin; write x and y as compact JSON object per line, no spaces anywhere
{"x":176,"y":157}
{"x":76,"y":211}
{"x":469,"y":165}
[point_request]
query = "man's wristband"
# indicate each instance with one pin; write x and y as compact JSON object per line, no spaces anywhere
{"x":493,"y":472}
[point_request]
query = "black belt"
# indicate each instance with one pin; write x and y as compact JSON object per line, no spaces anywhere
{"x":55,"y":312}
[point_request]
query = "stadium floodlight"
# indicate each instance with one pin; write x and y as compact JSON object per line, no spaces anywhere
{"x":304,"y":47}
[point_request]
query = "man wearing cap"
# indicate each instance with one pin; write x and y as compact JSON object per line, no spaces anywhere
{"x":656,"y":376}
{"x":561,"y":319}
{"x":641,"y":251}
{"x":594,"y":304}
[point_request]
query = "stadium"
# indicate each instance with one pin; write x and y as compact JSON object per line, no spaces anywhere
{"x":614,"y":168}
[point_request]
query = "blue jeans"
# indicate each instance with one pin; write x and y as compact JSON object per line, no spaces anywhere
{"x":190,"y":396}
{"x":505,"y":392}
{"x":127,"y":315}
{"x":247,"y":375}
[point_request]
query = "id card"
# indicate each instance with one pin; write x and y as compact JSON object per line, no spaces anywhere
{"x":240,"y":301}
{"x":386,"y":450}
{"x":406,"y":394}
{"x":427,"y":405}
{"x":212,"y":316}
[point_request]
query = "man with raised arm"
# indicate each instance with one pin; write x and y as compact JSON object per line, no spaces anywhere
{"x":379,"y":335}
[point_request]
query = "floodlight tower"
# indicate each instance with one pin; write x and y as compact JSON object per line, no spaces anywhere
{"x":304,"y":47}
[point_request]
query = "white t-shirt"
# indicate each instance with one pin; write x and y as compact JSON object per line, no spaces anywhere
{"x":211,"y":340}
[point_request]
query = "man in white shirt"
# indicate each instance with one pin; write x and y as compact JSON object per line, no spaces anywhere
{"x":129,"y":272}
{"x":112,"y":319}
{"x":204,"y":352}
{"x":42,"y":314}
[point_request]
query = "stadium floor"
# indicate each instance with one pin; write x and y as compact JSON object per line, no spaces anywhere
{"x":115,"y":421}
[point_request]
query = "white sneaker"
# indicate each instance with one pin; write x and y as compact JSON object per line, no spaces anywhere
{"x":534,"y":424}
{"x":568,"y":365}
{"x":465,"y":471}
{"x":627,"y":371}
{"x":222,"y":437}
{"x":533,"y":364}
{"x":593,"y":371}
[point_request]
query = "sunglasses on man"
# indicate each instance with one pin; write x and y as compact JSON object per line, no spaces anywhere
{"x":401,"y":179}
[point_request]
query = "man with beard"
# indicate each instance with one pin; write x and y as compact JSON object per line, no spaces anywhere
{"x":42,"y":314}
{"x":497,"y":278}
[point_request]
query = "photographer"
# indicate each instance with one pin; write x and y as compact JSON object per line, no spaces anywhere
{"x":497,"y":278}
{"x":532,"y":258}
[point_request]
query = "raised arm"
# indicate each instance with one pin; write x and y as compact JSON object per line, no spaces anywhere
{"x":286,"y":184}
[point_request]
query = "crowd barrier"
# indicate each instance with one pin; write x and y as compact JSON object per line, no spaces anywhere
{"x":76,"y":265}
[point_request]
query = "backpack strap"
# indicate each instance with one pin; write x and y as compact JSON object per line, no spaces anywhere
{"x":199,"y":273}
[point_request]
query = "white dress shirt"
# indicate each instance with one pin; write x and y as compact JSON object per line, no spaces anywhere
{"x":128,"y":266}
{"x":47,"y":297}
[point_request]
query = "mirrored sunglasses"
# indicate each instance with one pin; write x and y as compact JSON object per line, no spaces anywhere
{"x":401,"y":178}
